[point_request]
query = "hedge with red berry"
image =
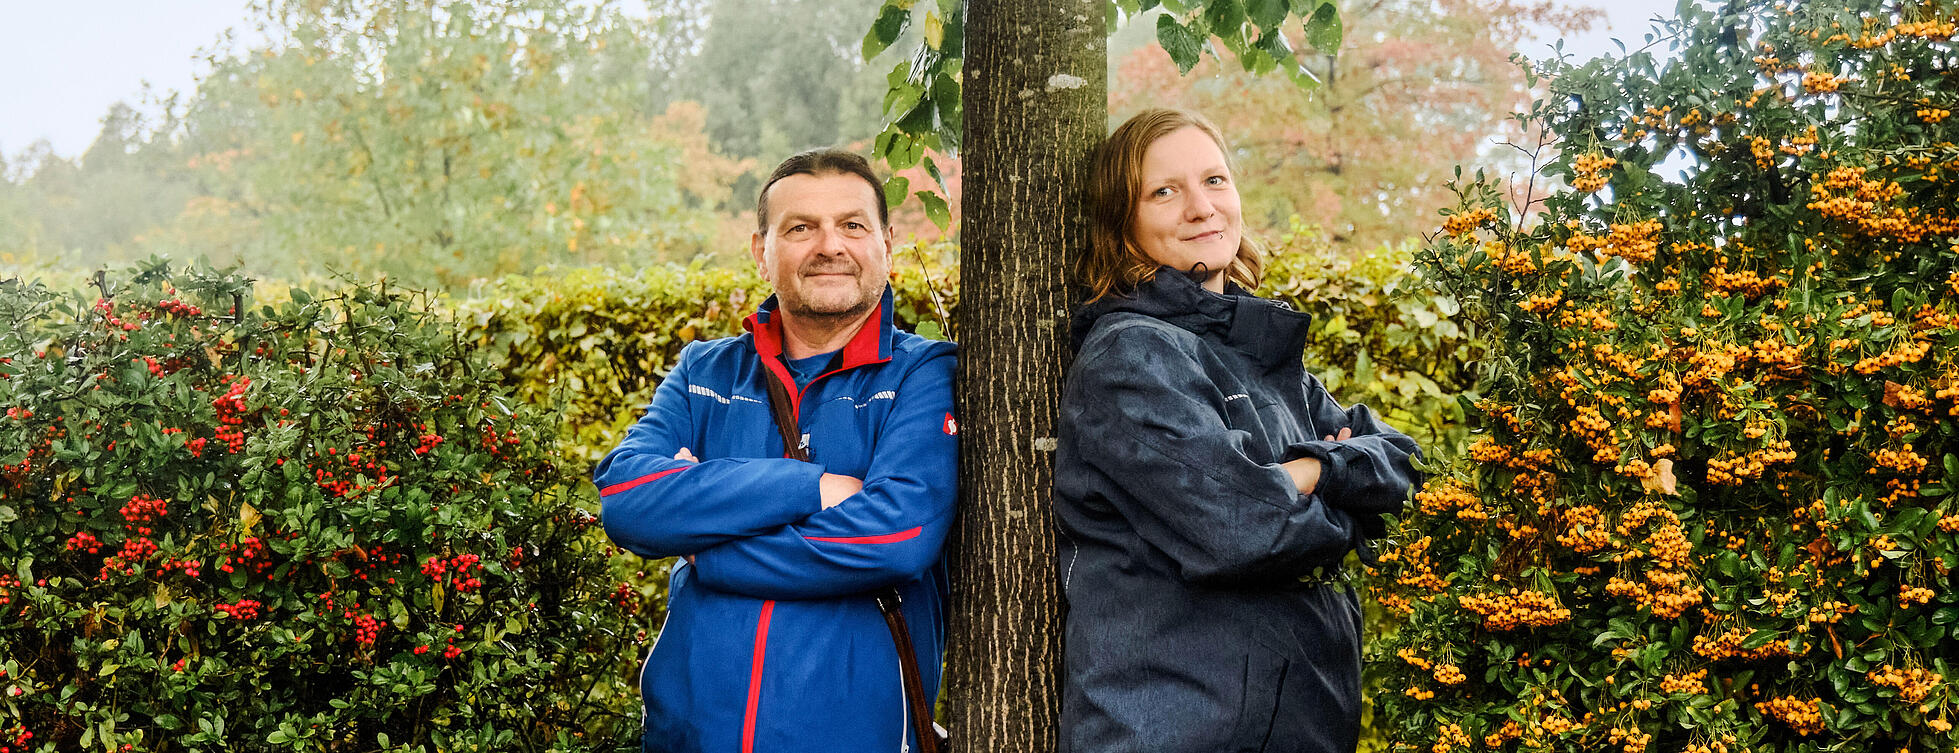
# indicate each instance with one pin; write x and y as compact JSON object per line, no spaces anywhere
{"x":311,"y":526}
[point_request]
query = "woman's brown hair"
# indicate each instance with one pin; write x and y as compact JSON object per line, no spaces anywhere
{"x":1114,"y":264}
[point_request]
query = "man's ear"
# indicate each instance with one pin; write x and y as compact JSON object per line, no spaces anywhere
{"x":890,"y":243}
{"x":757,"y":249}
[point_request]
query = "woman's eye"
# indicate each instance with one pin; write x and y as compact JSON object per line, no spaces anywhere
{"x":1160,"y":193}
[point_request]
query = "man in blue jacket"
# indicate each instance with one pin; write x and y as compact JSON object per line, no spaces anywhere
{"x":773,"y":639}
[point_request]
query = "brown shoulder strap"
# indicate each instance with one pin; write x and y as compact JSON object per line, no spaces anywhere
{"x":889,"y":603}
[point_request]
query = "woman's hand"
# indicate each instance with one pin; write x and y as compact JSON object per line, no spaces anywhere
{"x":1305,"y":472}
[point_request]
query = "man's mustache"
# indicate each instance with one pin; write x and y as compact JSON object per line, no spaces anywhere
{"x":836,"y":268}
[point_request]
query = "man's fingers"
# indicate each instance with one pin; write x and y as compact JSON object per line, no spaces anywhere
{"x":687,"y":455}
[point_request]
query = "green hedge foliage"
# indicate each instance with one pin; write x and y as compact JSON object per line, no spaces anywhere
{"x":1709,"y":506}
{"x":312,"y":526}
{"x":597,"y":342}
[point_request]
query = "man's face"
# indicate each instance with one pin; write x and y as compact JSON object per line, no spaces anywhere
{"x":823,"y":250}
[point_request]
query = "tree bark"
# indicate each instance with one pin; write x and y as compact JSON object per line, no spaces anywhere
{"x":1036,"y":102}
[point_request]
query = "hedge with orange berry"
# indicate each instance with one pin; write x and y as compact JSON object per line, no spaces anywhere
{"x":310,"y":526}
{"x":1708,"y":507}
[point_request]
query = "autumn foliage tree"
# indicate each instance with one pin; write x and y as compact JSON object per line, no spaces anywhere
{"x":1711,"y":505}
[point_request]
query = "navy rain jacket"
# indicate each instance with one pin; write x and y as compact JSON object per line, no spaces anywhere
{"x":1187,"y":556}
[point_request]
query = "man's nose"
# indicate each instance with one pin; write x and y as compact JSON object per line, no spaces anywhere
{"x":830,"y":240}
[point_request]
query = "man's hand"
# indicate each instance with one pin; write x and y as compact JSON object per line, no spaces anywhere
{"x":834,"y":488}
{"x":687,"y":455}
{"x":1305,"y":472}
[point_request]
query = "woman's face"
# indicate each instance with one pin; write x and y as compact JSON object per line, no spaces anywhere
{"x":1186,"y":209}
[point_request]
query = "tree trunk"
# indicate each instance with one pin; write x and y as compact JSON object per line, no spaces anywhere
{"x":1035,"y":103}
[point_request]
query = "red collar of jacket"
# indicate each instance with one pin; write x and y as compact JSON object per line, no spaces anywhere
{"x":871,"y":344}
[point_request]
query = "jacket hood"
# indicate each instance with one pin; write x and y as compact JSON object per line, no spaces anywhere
{"x":1269,"y":331}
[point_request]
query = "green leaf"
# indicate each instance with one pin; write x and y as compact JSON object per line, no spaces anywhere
{"x":891,"y":22}
{"x":895,"y":189}
{"x":935,"y":208}
{"x":1226,"y":18}
{"x":1324,"y":30}
{"x":1267,"y":14}
{"x":1179,"y":41}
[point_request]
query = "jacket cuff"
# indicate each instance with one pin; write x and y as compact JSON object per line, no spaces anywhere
{"x":1333,"y":469}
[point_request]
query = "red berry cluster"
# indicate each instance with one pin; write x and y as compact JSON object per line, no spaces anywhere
{"x":124,"y":561}
{"x":8,"y":582}
{"x":178,"y":307}
{"x":366,"y":629}
{"x":14,"y":737}
{"x":142,"y":509}
{"x":427,"y":440}
{"x":249,"y":552}
{"x":84,"y":542}
{"x":623,"y":595}
{"x":516,"y":557}
{"x":22,"y":414}
{"x":458,"y":568}
{"x":108,"y":309}
{"x":245,"y":609}
{"x":172,"y":563}
{"x":342,"y":484}
{"x":231,"y":407}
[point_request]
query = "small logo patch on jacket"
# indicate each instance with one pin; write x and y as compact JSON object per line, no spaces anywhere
{"x":951,"y":426}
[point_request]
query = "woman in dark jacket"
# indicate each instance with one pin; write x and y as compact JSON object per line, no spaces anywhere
{"x":1207,"y":487}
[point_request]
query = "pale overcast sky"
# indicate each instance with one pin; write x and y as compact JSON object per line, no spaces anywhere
{"x":63,"y":62}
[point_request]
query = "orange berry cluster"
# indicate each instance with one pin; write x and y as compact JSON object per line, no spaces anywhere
{"x":1516,"y":261}
{"x":1905,"y":352}
{"x":1903,"y":460}
{"x":1509,"y":731}
{"x":1585,"y":530}
{"x":1821,"y":83}
{"x":1635,"y":242}
{"x":1417,"y":571}
{"x":1913,"y":684}
{"x":1451,"y":496}
{"x":1746,"y":282}
{"x":1692,"y":683}
{"x":1805,"y":717}
{"x":1736,"y":469}
{"x":1592,"y":172}
{"x":1541,"y":303}
{"x":1910,"y":595}
{"x":1464,"y":223}
{"x":1516,"y":609}
{"x":1933,"y":30}
{"x":1727,"y":645}
{"x":1845,"y":195}
{"x":1592,"y":318}
{"x":1449,"y":738}
{"x":1667,"y":593}
{"x":1629,"y":740}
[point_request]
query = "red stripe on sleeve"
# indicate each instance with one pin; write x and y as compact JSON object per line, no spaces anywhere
{"x":624,"y":485}
{"x":755,"y":678}
{"x":889,"y":538}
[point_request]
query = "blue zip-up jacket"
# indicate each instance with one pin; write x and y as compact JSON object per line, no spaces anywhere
{"x":772,"y":640}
